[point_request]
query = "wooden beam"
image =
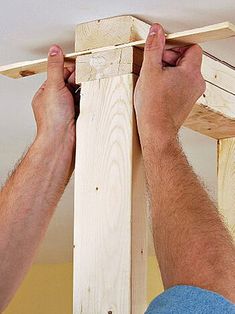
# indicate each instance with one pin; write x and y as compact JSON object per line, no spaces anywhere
{"x":112,"y":31}
{"x":214,"y":113}
{"x":125,"y":29}
{"x":220,"y":74}
{"x":226,"y":181}
{"x":110,"y":253}
{"x":208,"y":115}
{"x":136,"y":34}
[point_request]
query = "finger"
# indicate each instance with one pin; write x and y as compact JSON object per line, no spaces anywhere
{"x":69,"y":75}
{"x":68,"y":72}
{"x":69,"y":63}
{"x":155,"y":44}
{"x":55,"y":68}
{"x":69,"y":67}
{"x":71,"y":79}
{"x":192,"y":58}
{"x":171,"y":56}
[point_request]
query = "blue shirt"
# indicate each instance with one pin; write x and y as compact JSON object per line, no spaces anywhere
{"x":187,"y":300}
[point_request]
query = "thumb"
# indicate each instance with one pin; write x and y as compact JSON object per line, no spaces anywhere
{"x":55,"y":67}
{"x":155,"y":45}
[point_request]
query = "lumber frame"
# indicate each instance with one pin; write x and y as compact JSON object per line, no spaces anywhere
{"x":110,"y":213}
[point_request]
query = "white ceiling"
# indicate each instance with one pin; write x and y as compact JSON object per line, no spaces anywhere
{"x":29,"y":27}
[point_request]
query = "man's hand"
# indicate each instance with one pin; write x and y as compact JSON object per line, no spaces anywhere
{"x":55,"y":104}
{"x":169,"y":85}
{"x":30,"y":196}
{"x":192,"y":243}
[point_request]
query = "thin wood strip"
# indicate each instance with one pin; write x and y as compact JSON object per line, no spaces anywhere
{"x":198,"y":35}
{"x":203,"y":34}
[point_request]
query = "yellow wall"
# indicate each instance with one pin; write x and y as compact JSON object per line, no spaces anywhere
{"x":155,"y":286}
{"x":47,"y":289}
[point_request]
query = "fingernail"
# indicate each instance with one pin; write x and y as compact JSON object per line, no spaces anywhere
{"x":153,"y":30}
{"x":54,"y":51}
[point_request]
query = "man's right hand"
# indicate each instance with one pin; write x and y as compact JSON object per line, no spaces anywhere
{"x":54,"y":104}
{"x":169,"y":85}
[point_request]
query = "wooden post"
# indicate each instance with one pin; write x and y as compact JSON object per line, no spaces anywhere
{"x":226,"y":181}
{"x":110,"y":251}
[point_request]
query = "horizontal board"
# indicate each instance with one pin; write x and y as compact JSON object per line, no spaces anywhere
{"x":198,"y":35}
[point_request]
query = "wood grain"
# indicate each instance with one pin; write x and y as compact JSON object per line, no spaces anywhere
{"x":226,"y":181}
{"x":218,"y":73}
{"x":109,"y":63}
{"x":110,"y":218}
{"x":109,"y":32}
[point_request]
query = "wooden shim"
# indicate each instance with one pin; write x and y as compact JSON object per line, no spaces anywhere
{"x":203,"y":34}
{"x":217,"y":31}
{"x":110,"y":253}
{"x":226,"y":181}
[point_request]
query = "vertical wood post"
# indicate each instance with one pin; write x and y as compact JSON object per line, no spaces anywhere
{"x":226,"y":181}
{"x":110,"y":231}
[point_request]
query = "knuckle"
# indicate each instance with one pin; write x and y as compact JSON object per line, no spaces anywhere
{"x":196,"y":79}
{"x":198,"y":48}
{"x":195,"y":75}
{"x":54,"y":63}
{"x":150,"y":47}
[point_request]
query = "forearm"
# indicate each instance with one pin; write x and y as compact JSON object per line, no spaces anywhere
{"x":27,"y":203}
{"x":192,"y":245}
